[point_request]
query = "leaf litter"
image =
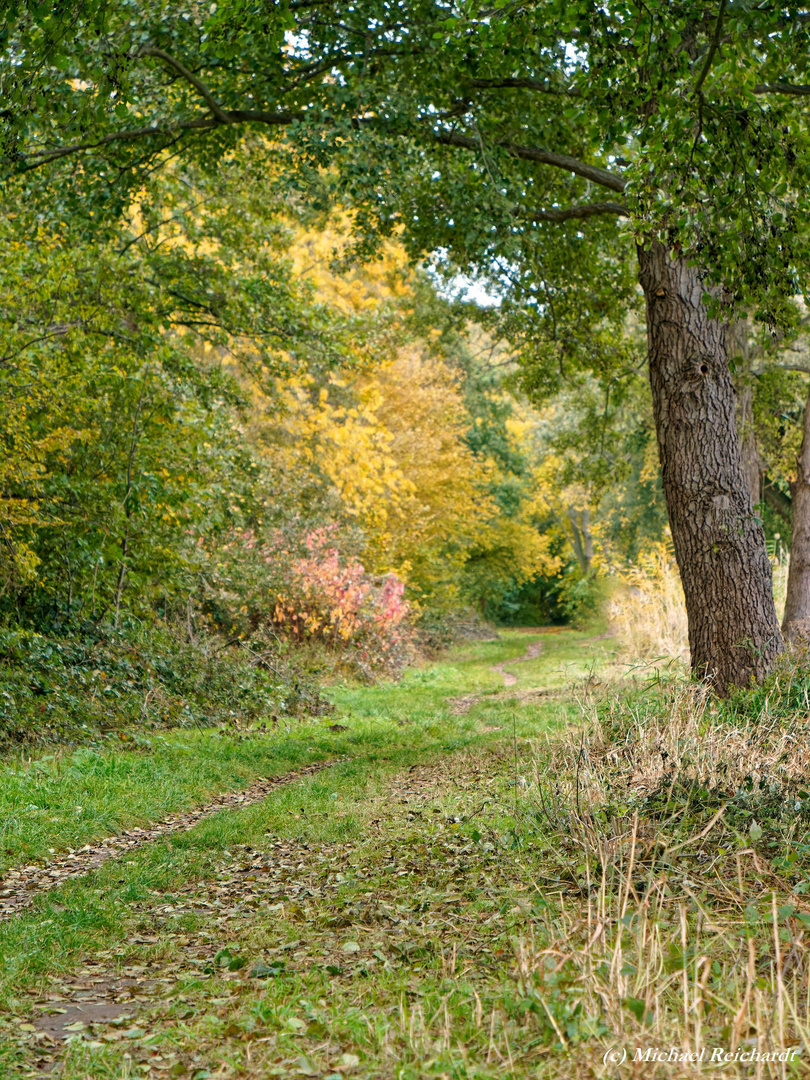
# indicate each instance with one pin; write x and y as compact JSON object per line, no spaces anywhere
{"x":21,"y":886}
{"x":415,"y":896}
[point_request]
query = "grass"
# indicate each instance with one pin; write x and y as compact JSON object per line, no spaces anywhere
{"x":60,"y":800}
{"x":389,"y":728}
{"x":490,"y":894}
{"x":64,"y":800}
{"x":347,"y":922}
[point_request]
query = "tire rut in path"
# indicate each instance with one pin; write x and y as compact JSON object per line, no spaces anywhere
{"x":461,"y":705}
{"x":532,"y":652}
{"x":22,"y":885}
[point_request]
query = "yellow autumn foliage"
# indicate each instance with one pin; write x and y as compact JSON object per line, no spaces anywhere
{"x":385,"y":444}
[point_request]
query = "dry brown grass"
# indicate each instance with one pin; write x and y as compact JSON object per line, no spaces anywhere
{"x":647,"y":613}
{"x":675,"y":910}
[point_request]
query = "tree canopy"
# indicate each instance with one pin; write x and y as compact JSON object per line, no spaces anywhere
{"x":476,"y":126}
{"x":534,"y":146}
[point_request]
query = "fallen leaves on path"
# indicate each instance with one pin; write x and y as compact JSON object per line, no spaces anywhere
{"x":22,"y":885}
{"x":417,"y":898}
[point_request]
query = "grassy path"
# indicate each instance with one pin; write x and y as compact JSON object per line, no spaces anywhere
{"x":22,"y":885}
{"x":358,"y":922}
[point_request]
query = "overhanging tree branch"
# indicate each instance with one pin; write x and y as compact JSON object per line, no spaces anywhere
{"x":41,"y":157}
{"x":790,"y":89}
{"x":171,"y":127}
{"x":523,"y":84}
{"x":222,"y":116}
{"x":593,"y":173}
{"x":181,"y":69}
{"x":586,"y":210}
{"x":718,"y":26}
{"x":777,"y":500}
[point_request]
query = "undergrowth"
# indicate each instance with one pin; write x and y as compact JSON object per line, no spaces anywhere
{"x":73,"y":686}
{"x":676,"y":910}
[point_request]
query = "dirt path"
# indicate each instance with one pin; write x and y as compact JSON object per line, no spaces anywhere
{"x":20,"y":886}
{"x":265,"y":957}
{"x":531,"y":653}
{"x":318,"y":890}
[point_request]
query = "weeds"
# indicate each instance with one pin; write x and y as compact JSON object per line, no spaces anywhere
{"x":647,"y":612}
{"x":75,"y":687}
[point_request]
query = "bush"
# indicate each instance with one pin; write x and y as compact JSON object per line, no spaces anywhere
{"x":99,"y":679}
{"x":332,"y":600}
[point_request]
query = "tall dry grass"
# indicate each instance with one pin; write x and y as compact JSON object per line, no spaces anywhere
{"x":676,"y":906}
{"x":647,"y":612}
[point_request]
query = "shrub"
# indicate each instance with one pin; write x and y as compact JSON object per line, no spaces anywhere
{"x":73,"y":685}
{"x":332,"y":600}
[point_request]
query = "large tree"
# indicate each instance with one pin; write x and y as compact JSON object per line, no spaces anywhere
{"x":536,"y":143}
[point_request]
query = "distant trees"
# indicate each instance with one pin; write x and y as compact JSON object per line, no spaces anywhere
{"x":517,"y":140}
{"x":191,"y":398}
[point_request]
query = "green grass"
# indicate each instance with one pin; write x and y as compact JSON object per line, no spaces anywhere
{"x":208,"y":1012}
{"x":384,"y":1004}
{"x":65,"y":799}
{"x":421,"y":695}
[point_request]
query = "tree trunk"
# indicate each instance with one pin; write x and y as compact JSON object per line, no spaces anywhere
{"x":739,"y":350}
{"x":796,"y":623}
{"x":778,"y":501}
{"x":749,"y":452}
{"x":582,"y":540}
{"x":719,"y":544}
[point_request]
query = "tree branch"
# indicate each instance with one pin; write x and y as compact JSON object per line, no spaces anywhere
{"x":202,"y":123}
{"x":782,"y":88}
{"x":60,"y":331}
{"x":181,"y":69}
{"x":593,"y":173}
{"x":777,"y":500}
{"x":221,"y":116}
{"x":586,"y":210}
{"x":718,"y":26}
{"x":522,"y":84}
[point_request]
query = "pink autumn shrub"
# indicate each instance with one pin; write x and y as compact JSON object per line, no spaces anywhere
{"x":331,"y":599}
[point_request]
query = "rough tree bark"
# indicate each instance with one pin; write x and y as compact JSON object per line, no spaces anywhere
{"x":719,"y":544}
{"x":738,"y":348}
{"x":796,"y":623}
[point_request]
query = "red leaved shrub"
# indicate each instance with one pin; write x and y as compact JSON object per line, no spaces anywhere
{"x":333,"y":600}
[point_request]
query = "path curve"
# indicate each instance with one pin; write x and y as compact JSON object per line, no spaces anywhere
{"x":532,"y":652}
{"x":22,"y":885}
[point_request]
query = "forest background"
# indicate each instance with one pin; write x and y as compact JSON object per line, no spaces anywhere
{"x":224,"y":440}
{"x":244,"y":423}
{"x":227,"y":442}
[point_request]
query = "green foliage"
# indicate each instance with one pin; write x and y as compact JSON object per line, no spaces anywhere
{"x":476,"y":138}
{"x":778,"y":411}
{"x":93,"y":678}
{"x":122,"y":431}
